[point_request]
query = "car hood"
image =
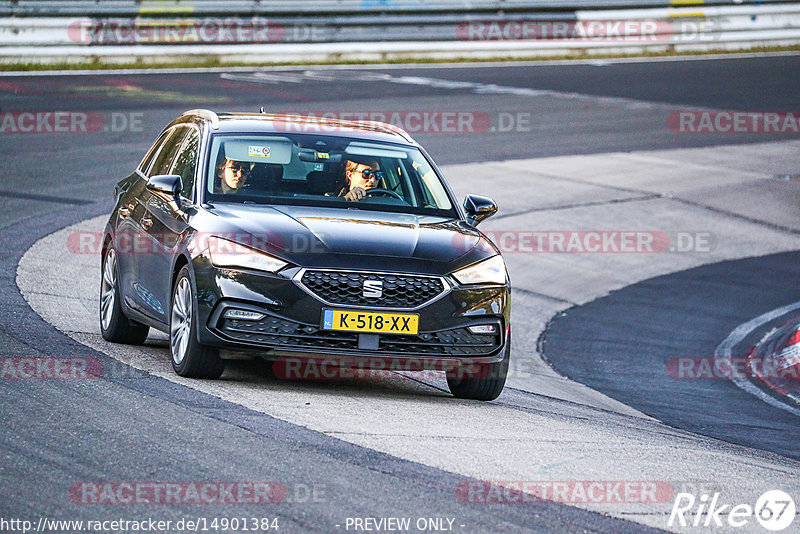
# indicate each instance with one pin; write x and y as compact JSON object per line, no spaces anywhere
{"x":314,"y":236}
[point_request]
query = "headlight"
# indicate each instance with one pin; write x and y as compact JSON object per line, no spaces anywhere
{"x":226,"y":253}
{"x":491,"y":271}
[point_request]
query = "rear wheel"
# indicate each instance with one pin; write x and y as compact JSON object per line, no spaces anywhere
{"x":114,"y":326}
{"x":483,"y":381}
{"x":189,"y":357}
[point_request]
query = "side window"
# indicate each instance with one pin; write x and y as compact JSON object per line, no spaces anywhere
{"x":163,"y":161}
{"x":148,"y":159}
{"x":186,"y":162}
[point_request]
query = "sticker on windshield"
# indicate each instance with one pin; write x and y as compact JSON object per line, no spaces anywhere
{"x":258,"y":151}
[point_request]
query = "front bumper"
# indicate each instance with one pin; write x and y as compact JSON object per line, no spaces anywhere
{"x":292,"y":322}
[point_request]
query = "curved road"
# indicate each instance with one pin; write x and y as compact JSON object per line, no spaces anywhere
{"x":629,"y":348}
{"x":134,"y":425}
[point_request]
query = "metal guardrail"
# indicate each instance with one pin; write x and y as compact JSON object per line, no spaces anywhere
{"x":392,"y":34}
{"x":128,"y":8}
{"x":658,"y":25}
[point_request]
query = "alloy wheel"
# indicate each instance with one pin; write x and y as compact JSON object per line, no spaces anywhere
{"x":108,"y":289}
{"x":181,"y":323}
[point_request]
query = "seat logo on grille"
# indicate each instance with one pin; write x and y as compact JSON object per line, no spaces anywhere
{"x":373,"y":289}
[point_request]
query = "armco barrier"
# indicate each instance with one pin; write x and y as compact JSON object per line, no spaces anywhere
{"x":396,"y":32}
{"x":129,"y":8}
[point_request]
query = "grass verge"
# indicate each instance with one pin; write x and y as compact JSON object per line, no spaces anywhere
{"x":216,"y":63}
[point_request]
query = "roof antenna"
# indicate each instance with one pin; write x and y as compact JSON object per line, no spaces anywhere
{"x":261,"y":109}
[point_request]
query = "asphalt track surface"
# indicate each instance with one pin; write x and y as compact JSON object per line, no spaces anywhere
{"x":141,"y":427}
{"x":624,"y":338}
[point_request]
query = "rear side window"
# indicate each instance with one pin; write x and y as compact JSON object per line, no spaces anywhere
{"x":163,"y":161}
{"x":186,"y":162}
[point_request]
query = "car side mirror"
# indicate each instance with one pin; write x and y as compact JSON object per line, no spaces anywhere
{"x":168,"y":184}
{"x":479,"y":208}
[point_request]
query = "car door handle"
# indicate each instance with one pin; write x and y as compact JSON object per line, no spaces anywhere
{"x":125,"y":212}
{"x":147,"y":223}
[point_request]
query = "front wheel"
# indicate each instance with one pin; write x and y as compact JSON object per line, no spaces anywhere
{"x":114,"y":326}
{"x":189,"y":357}
{"x":483,"y":381}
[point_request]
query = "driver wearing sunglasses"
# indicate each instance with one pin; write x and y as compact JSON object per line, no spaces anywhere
{"x":359,"y":177}
{"x":233,"y":175}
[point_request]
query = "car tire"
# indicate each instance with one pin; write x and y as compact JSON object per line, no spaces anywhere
{"x":482,"y":382}
{"x":114,"y":325}
{"x":189,"y":357}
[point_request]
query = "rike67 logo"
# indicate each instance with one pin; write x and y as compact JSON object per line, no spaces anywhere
{"x":774,"y":510}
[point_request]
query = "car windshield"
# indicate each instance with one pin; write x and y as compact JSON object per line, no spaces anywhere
{"x":319,"y":170}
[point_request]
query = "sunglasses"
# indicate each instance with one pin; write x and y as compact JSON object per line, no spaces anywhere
{"x":369,"y":173}
{"x":242,"y":167}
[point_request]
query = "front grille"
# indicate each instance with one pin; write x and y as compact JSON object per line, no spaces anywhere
{"x":458,"y":342}
{"x":278,"y":333}
{"x":347,"y":287}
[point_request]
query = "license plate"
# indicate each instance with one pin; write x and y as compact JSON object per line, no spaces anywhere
{"x":374,"y":322}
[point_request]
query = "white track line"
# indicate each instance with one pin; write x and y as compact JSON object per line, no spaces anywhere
{"x":725,"y":348}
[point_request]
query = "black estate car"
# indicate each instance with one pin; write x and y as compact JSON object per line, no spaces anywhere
{"x":298,"y":237}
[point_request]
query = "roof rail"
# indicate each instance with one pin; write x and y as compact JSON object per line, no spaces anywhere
{"x":207,"y":114}
{"x":386,"y":127}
